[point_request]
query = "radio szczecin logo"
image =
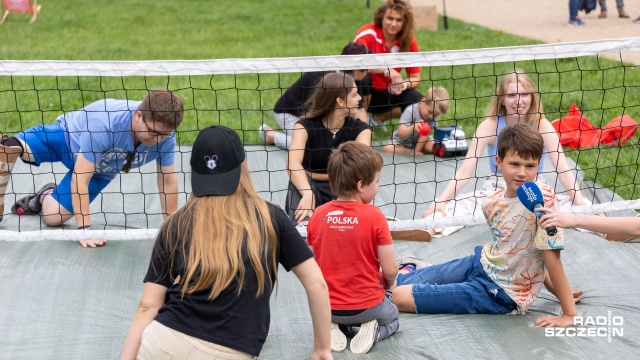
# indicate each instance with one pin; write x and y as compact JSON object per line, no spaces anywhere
{"x":590,"y":326}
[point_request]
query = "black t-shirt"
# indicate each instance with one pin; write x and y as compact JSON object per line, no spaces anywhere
{"x":238,"y":322}
{"x":320,"y":141}
{"x":293,"y":99}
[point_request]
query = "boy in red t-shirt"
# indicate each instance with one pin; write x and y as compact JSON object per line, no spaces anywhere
{"x":350,"y":233}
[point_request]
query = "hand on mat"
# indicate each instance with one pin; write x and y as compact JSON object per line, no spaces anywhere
{"x":436,"y":206}
{"x":93,"y":243}
{"x":322,"y":355}
{"x":576,"y":295}
{"x":305,"y":208}
{"x":554,"y":321}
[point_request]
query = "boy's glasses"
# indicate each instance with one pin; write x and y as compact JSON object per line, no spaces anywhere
{"x":128,"y":161}
{"x":153,"y":133}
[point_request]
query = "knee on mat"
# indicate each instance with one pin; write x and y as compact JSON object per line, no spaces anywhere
{"x":403,"y":298}
{"x":51,"y":213}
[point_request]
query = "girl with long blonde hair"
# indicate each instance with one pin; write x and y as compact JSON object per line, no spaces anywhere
{"x":516,"y":101}
{"x":214,"y":265}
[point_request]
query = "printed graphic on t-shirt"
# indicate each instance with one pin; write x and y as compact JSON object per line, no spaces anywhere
{"x":514,"y":259}
{"x":109,"y":161}
{"x":337,"y":220}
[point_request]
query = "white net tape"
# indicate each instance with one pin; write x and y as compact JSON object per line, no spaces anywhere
{"x":429,"y":223}
{"x":317,"y":63}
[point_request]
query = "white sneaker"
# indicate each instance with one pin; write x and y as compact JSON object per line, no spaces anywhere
{"x":365,"y":338}
{"x":338,"y":338}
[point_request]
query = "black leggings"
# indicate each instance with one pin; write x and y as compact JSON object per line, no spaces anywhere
{"x":383,"y":101}
{"x":321,"y":192}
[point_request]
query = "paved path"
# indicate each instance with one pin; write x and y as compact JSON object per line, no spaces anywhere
{"x":544,"y":20}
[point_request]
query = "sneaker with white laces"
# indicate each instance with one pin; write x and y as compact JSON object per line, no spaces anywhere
{"x":338,"y":338}
{"x":365,"y":338}
{"x":576,"y":22}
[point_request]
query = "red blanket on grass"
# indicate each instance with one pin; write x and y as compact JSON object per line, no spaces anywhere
{"x":576,"y":132}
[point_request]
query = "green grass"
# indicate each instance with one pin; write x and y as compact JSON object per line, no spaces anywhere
{"x":202,"y":29}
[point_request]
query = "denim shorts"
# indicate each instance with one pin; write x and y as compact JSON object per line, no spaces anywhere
{"x":457,"y":287}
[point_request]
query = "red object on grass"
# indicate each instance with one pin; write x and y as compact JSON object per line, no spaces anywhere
{"x":20,"y":7}
{"x":576,"y":132}
{"x":619,"y":130}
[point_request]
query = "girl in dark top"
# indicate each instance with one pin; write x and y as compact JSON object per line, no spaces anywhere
{"x":328,"y":124}
{"x":290,"y":107}
{"x":214,"y":264}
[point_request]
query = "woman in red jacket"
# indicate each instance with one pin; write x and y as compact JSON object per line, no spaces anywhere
{"x":391,"y":32}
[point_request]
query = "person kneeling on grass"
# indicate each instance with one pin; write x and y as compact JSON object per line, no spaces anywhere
{"x":505,"y":275}
{"x":413,"y":134}
{"x":351,"y":233}
{"x":96,"y":143}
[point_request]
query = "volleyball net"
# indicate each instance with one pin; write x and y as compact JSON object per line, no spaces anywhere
{"x":241,"y":93}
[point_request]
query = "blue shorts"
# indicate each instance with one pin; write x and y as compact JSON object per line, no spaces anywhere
{"x":457,"y":287}
{"x":48,"y":144}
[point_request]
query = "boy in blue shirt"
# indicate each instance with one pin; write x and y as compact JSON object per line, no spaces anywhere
{"x":95,"y":144}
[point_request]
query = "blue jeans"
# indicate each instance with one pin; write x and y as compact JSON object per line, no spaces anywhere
{"x":574,"y":5}
{"x":456,"y":287}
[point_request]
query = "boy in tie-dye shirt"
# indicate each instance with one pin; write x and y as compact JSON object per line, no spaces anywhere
{"x":506,"y":275}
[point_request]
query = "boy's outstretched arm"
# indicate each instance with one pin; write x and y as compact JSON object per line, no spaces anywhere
{"x":562,"y":291}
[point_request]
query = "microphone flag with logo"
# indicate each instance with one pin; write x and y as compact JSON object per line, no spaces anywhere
{"x":530,"y":196}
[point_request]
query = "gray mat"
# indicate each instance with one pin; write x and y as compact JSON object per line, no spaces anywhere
{"x":60,"y":301}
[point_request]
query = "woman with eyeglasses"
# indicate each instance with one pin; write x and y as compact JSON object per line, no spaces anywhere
{"x":96,"y":143}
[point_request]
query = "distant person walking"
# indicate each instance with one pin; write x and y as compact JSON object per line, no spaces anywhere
{"x":619,"y":4}
{"x":574,"y":20}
